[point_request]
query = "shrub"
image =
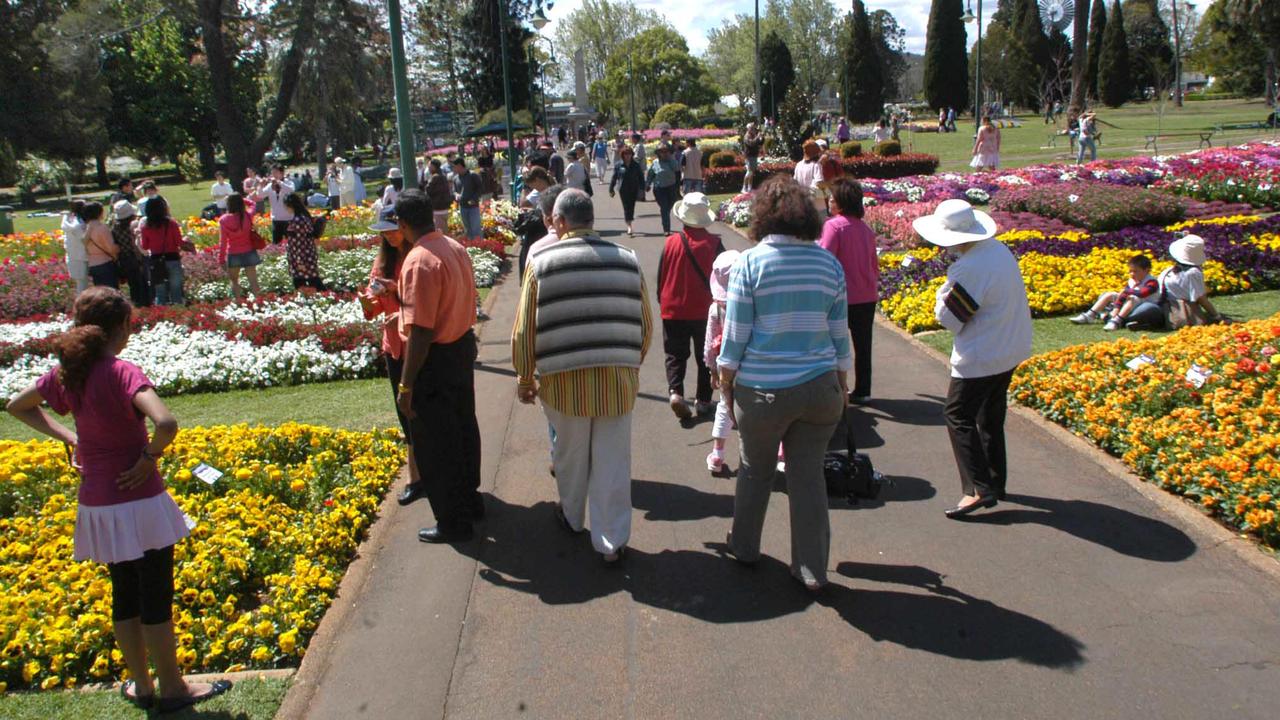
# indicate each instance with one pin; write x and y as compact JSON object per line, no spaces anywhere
{"x":189,"y":167}
{"x":729,"y":179}
{"x":677,"y":115}
{"x":1097,"y":207}
{"x":38,"y":175}
{"x":724,"y":159}
{"x":851,"y":149}
{"x":888,"y":148}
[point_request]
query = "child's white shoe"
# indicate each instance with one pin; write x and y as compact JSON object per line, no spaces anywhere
{"x":715,"y":462}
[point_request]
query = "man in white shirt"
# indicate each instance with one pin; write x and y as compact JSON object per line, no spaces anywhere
{"x":984,"y":303}
{"x":275,"y":191}
{"x":691,"y":167}
{"x":220,"y":190}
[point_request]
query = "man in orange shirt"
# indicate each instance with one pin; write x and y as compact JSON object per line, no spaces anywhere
{"x":437,"y":385}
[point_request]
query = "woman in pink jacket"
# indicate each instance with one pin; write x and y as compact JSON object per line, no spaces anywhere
{"x":853,"y":243}
{"x":236,"y":246}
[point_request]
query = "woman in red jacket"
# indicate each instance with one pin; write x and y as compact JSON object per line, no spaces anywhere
{"x":236,"y":246}
{"x":684,"y":294}
{"x":162,"y":238}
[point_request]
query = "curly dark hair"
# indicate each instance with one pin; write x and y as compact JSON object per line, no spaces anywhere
{"x":847,"y":193}
{"x":782,"y":207}
{"x":100,"y":314}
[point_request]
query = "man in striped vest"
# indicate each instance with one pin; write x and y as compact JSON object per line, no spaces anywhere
{"x":581,"y":333}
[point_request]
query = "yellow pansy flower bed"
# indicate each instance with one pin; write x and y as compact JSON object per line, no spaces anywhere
{"x":272,"y":540}
{"x":1218,"y":444}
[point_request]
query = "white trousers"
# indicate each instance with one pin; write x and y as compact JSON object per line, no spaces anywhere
{"x":600,"y":168}
{"x":592,"y":457}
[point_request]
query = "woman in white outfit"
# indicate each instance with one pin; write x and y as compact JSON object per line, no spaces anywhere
{"x":73,"y":242}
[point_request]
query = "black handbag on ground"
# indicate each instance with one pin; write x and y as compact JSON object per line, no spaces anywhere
{"x":849,"y":473}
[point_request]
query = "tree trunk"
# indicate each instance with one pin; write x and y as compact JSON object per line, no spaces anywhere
{"x":322,"y":148}
{"x":204,"y":149}
{"x":1079,"y":60}
{"x":1271,"y":75}
{"x":101,"y":161}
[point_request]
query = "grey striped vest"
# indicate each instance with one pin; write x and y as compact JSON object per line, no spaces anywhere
{"x":589,"y":305}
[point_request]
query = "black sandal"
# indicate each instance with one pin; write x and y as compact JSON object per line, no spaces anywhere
{"x":142,"y":702}
{"x":168,"y":705}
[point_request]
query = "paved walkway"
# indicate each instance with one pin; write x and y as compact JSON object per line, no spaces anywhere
{"x":1076,"y":598}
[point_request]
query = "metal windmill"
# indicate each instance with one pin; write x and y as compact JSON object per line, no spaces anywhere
{"x":1057,"y":14}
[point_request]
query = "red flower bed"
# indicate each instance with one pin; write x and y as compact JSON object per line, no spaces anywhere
{"x":721,"y":180}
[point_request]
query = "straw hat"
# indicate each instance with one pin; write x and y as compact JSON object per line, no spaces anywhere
{"x":694,"y":210}
{"x":124,"y":209}
{"x":955,"y":222}
{"x":1188,"y":250}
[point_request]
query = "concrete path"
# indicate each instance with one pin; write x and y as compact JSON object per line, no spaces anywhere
{"x":1076,"y":598}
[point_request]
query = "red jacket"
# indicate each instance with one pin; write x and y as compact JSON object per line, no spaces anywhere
{"x":683,"y":292}
{"x":163,"y":240}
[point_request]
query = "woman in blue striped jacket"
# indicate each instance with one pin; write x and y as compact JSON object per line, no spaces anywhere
{"x":784,"y":369}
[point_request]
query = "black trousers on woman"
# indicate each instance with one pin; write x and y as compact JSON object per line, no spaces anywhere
{"x":975,"y":413}
{"x":629,"y":207}
{"x":666,"y":199}
{"x":862,"y":318}
{"x":677,"y":337}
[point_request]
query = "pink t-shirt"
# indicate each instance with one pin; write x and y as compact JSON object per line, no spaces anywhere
{"x":111,"y":431}
{"x":854,"y":245}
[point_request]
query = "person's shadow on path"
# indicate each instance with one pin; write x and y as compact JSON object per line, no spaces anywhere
{"x":524,"y":549}
{"x":668,"y":502}
{"x":1124,"y":532}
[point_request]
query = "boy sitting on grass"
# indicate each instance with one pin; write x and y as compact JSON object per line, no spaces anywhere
{"x":1116,"y":306}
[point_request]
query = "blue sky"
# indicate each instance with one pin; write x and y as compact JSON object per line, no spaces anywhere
{"x":912,"y":15}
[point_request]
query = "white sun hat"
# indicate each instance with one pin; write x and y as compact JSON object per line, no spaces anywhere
{"x":1188,"y":250}
{"x":694,"y":210}
{"x":955,"y":222}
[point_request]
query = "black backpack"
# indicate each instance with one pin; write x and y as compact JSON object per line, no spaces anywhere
{"x":849,"y":473}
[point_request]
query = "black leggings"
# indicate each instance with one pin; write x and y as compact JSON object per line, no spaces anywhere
{"x":300,"y":282}
{"x":628,"y":207}
{"x":143,"y":588}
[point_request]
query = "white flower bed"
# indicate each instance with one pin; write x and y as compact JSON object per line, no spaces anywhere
{"x":180,"y":360}
{"x":309,"y":309}
{"x":485,"y":266}
{"x":18,"y":333}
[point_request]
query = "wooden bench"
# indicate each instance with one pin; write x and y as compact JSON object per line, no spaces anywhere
{"x":1153,"y":141}
{"x":1242,"y":126}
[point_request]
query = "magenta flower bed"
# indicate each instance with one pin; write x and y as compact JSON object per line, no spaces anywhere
{"x":1097,"y":207}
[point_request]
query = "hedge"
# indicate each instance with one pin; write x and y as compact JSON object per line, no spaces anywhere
{"x":723,"y":180}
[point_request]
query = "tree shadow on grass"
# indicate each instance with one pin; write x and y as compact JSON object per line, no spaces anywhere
{"x":1124,"y":532}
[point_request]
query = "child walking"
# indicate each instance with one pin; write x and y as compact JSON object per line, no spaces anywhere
{"x":125,"y":518}
{"x":714,"y":340}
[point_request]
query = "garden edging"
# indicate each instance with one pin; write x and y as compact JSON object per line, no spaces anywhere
{"x":1212,"y":534}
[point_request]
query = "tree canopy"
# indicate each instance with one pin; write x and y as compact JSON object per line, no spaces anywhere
{"x":777,"y":72}
{"x":664,"y":72}
{"x":862,"y":71}
{"x":946,"y":61}
{"x":1114,"y":76}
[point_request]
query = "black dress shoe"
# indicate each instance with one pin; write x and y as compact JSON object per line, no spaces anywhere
{"x":960,"y":511}
{"x":438,"y":535}
{"x":411,"y":492}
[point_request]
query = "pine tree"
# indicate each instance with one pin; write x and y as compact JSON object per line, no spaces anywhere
{"x":777,"y":70}
{"x":1097,"y":30}
{"x":1114,"y":79}
{"x":483,"y":48}
{"x":946,"y":62}
{"x":1030,"y":32}
{"x":862,"y":75}
{"x":1149,"y":47}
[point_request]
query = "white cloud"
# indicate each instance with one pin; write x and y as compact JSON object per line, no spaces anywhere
{"x":695,"y":19}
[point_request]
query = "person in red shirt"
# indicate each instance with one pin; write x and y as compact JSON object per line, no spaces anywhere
{"x":853,"y":243}
{"x":162,"y":238}
{"x":684,"y":294}
{"x":236,"y":244}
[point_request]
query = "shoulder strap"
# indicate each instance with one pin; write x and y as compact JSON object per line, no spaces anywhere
{"x":688,"y":251}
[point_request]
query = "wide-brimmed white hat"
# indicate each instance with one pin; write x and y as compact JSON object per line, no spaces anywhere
{"x":394,"y":173}
{"x":340,"y":160}
{"x":124,"y":209}
{"x":955,"y":222}
{"x":695,"y":210}
{"x":720,"y":274}
{"x":1188,"y":250}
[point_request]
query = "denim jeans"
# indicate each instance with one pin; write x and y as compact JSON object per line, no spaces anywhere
{"x":471,"y":222}
{"x":1086,"y":142}
{"x":693,"y":185}
{"x":170,"y":293}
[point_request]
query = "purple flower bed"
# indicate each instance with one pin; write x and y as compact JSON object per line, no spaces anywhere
{"x":1097,"y":207}
{"x":1030,"y":221}
{"x":1202,"y":210}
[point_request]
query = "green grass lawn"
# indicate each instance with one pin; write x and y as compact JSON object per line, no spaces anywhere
{"x":1058,"y":332}
{"x":1025,"y":145}
{"x":247,"y":700}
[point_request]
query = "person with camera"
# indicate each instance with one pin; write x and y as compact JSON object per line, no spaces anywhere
{"x":784,"y":364}
{"x":274,"y":191}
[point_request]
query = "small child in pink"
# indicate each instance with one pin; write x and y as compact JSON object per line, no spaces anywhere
{"x":711,"y":348}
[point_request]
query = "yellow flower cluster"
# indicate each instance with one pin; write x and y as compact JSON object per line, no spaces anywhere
{"x":1228,"y":220}
{"x":42,"y":243}
{"x":1219,"y":443}
{"x":913,"y":308}
{"x":1012,"y":237}
{"x":273,"y":538}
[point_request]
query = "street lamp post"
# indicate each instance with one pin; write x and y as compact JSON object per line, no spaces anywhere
{"x":759,"y":86}
{"x":400,"y":82}
{"x":977,"y":74}
{"x":506,"y":95}
{"x":1177,"y":53}
{"x":631,"y":80}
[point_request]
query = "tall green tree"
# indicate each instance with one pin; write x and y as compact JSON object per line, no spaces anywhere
{"x":597,"y":28}
{"x":946,"y":61}
{"x":1150,"y":50}
{"x":795,"y":120}
{"x":1232,"y":52}
{"x":730,"y":57}
{"x":808,"y":27}
{"x":1265,"y":15}
{"x":890,"y":42}
{"x":777,"y":72}
{"x":482,"y":54}
{"x":1097,"y":31}
{"x":1079,"y":59}
{"x":1114,"y":76}
{"x":862,"y":74}
{"x":1007,"y":68}
{"x":663,"y":72}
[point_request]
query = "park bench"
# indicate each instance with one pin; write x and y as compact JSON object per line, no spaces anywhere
{"x":1153,"y":141}
{"x":1242,"y":126}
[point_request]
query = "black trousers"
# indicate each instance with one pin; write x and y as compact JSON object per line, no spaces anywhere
{"x":629,"y":206}
{"x":862,"y":318}
{"x":445,"y":435}
{"x":395,"y":367}
{"x":278,"y":229}
{"x":975,"y":413}
{"x":676,"y":337}
{"x":143,"y":588}
{"x":666,"y":199}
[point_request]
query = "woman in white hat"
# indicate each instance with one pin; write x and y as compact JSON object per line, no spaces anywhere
{"x":1183,"y":298}
{"x":130,"y":261}
{"x":984,"y":303}
{"x":395,"y":183}
{"x":684,"y":294}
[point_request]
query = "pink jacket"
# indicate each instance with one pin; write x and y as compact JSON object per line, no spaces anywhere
{"x":854,"y":245}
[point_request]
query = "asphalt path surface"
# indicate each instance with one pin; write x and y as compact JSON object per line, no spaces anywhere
{"x":1078,"y":597}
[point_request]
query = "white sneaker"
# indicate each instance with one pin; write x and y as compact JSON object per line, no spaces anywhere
{"x":1112,"y":324}
{"x":715,"y":462}
{"x":782,"y":467}
{"x":1085,"y":318}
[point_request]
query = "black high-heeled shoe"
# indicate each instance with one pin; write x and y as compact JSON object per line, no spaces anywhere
{"x":960,"y":511}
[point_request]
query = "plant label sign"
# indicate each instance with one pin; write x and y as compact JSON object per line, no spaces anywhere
{"x":1198,"y":376}
{"x":1138,"y":362}
{"x":207,"y":473}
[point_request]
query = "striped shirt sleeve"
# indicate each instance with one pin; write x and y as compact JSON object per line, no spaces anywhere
{"x":955,"y":306}
{"x":739,"y":317}
{"x":524,"y":334}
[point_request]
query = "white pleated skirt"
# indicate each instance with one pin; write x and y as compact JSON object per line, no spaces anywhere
{"x":118,"y":533}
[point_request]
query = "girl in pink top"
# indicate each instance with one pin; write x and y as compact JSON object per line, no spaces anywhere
{"x":853,"y":243}
{"x":711,"y":346}
{"x":986,"y":147}
{"x":125,"y":517}
{"x":236,"y":247}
